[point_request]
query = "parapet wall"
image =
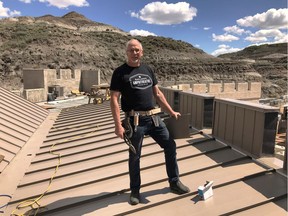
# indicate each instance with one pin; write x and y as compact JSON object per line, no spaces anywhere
{"x":68,"y":79}
{"x":242,"y":91}
{"x":39,"y":81}
{"x":36,"y":82}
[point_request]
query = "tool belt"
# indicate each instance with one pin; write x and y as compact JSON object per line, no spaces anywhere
{"x":144,"y":113}
{"x":128,"y":127}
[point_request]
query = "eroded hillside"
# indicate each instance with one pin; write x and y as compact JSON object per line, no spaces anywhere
{"x":73,"y":41}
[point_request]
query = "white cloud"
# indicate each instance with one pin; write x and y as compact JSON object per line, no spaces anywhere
{"x":281,"y":39}
{"x":162,"y":13}
{"x":256,"y":39}
{"x":235,"y":30}
{"x":225,"y":37}
{"x":207,"y":28}
{"x":6,"y":12}
{"x":26,"y":1}
{"x":263,"y":35}
{"x":15,"y":13}
{"x":222,"y":49}
{"x":270,"y":19}
{"x":141,"y":32}
{"x":66,"y":3}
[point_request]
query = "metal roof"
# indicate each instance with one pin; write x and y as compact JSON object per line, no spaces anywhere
{"x":74,"y":165}
{"x":19,"y":120}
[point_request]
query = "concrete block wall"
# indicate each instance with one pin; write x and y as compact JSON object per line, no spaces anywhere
{"x":184,"y":87}
{"x":242,"y":91}
{"x":214,"y":87}
{"x":229,"y":87}
{"x":89,"y":78}
{"x":69,"y":79}
{"x":38,"y":80}
{"x":35,"y":95}
{"x":33,"y":78}
{"x":241,"y":87}
{"x":199,"y":88}
{"x":83,"y":80}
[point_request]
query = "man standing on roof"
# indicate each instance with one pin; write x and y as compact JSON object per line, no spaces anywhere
{"x":136,"y":83}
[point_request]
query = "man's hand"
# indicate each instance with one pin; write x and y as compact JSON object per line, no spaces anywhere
{"x":175,"y":114}
{"x":119,"y":131}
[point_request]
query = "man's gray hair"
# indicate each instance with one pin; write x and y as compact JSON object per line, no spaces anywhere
{"x":131,"y":40}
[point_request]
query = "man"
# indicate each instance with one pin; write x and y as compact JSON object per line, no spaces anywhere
{"x":136,"y":83}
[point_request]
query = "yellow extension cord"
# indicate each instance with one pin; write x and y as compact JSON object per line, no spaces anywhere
{"x":31,"y":202}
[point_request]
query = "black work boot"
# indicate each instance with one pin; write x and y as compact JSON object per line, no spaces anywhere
{"x":178,"y":187}
{"x":134,"y":197}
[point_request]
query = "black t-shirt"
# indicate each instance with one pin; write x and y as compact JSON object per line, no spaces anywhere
{"x":135,"y":85}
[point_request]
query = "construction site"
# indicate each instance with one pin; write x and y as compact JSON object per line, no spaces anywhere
{"x":59,"y":154}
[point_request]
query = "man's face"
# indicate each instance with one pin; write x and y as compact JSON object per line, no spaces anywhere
{"x":134,"y":53}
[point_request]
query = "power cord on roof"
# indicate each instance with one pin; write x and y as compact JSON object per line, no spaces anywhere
{"x":3,"y":206}
{"x":32,"y":202}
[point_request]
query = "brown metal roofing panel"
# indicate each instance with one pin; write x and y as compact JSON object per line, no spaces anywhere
{"x":246,"y":123}
{"x":269,"y":209}
{"x":116,"y":173}
{"x":19,"y":120}
{"x":9,"y":144}
{"x":95,"y":162}
{"x":14,"y":113}
{"x":107,"y":199}
{"x":258,"y":132}
{"x":233,"y":198}
{"x":8,"y":150}
{"x":16,"y":123}
{"x":14,"y":136}
{"x":249,"y":121}
{"x":92,"y":178}
{"x":239,"y":126}
{"x":13,"y":100}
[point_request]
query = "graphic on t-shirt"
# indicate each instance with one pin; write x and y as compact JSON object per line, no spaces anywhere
{"x":140,"y":81}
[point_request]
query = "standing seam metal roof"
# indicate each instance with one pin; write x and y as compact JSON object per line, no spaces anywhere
{"x":91,"y":176}
{"x":19,"y":120}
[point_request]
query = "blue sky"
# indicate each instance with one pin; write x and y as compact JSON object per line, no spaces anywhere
{"x":215,"y":26}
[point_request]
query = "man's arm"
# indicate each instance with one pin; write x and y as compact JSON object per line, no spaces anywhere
{"x":115,"y":109}
{"x":161,"y":100}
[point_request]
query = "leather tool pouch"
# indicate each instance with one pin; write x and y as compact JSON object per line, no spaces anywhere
{"x":155,"y":120}
{"x":127,"y":126}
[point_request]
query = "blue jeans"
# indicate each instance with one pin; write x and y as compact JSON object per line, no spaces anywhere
{"x":161,"y":135}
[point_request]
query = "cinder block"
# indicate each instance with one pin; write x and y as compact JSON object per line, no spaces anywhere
{"x":184,"y":87}
{"x":229,"y":87}
{"x":199,"y":88}
{"x":241,"y":87}
{"x":255,"y":86}
{"x":214,"y":88}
